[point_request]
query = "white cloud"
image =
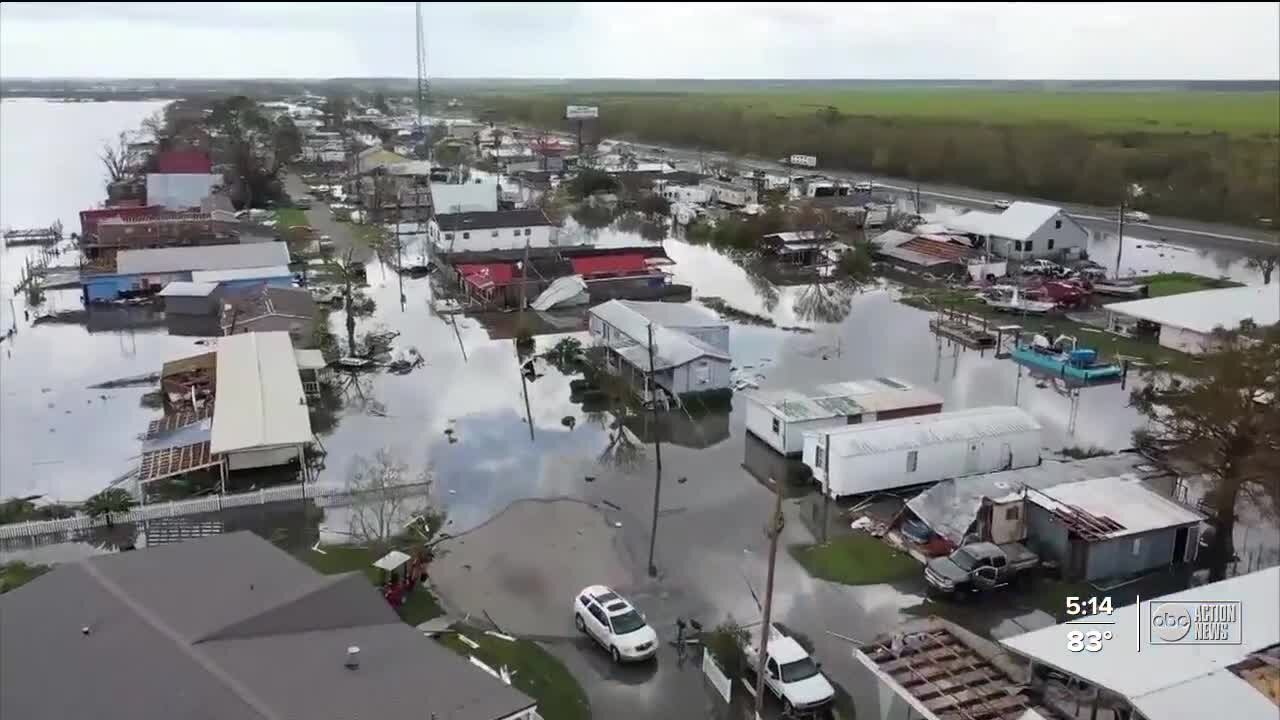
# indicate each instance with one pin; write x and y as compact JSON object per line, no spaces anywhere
{"x":643,"y":40}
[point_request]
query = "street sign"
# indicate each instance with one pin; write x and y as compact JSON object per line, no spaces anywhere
{"x":579,"y":112}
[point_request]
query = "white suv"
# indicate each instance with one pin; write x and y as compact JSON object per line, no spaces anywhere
{"x":612,"y":621}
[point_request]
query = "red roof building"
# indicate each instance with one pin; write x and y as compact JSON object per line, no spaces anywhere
{"x":89,"y":219}
{"x":486,"y":276}
{"x":597,"y":266}
{"x":173,"y":162}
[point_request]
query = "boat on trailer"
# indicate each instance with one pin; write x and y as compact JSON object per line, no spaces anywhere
{"x":1062,"y":358}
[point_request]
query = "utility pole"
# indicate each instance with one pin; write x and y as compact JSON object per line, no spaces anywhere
{"x":651,"y":387}
{"x":774,"y":531}
{"x":1119,"y":238}
{"x":826,"y":490}
{"x":524,"y":381}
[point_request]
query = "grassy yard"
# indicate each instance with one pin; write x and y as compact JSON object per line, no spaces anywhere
{"x":419,"y":608}
{"x":1176,"y":283}
{"x":534,"y":671}
{"x":856,"y":559}
{"x":289,"y":217}
{"x":17,"y":573}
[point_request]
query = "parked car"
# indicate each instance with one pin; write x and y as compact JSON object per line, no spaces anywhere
{"x":302,"y":203}
{"x":1136,"y":216}
{"x":1001,"y":204}
{"x":614,"y":623}
{"x":1041,"y":266}
{"x":790,"y":674}
{"x":864,"y":186}
{"x":979,"y":567}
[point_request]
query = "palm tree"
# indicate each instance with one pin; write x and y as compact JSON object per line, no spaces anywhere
{"x":108,"y":502}
{"x":1265,"y":264}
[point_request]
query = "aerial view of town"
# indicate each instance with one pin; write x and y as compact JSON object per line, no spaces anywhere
{"x":554,"y":361}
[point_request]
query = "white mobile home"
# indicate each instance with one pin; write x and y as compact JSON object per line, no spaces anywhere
{"x":781,"y":418}
{"x":1186,"y":322}
{"x":731,"y":194}
{"x":912,"y":451}
{"x":690,"y":346}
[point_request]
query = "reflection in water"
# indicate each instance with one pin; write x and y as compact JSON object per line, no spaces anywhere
{"x":826,"y":301}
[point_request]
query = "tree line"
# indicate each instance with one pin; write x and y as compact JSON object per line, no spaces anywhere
{"x":1207,"y":176}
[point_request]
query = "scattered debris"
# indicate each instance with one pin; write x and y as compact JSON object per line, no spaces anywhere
{"x":134,"y":381}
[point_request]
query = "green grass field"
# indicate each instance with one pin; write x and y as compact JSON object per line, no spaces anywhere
{"x":534,"y":670}
{"x":855,"y":559}
{"x":1242,"y":113}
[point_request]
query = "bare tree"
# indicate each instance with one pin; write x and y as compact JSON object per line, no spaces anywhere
{"x":115,"y":158}
{"x":395,"y":505}
{"x":1265,"y":264}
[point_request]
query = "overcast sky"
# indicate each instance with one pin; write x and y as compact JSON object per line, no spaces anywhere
{"x":643,"y":40}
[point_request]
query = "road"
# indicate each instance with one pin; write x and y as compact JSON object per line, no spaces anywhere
{"x":1180,"y":231}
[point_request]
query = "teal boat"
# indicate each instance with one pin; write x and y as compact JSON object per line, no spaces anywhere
{"x":1078,"y":364}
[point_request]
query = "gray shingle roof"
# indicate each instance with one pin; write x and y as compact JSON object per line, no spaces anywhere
{"x":227,"y":627}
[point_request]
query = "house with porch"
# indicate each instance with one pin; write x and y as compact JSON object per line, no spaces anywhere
{"x":682,"y":349}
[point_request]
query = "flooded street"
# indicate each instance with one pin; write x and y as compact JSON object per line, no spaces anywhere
{"x":491,"y":437}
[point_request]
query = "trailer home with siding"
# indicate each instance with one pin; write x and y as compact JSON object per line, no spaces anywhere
{"x":871,"y":457}
{"x":782,"y":417}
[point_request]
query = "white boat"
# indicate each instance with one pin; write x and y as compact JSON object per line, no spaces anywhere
{"x":1120,"y":289}
{"x":567,"y":291}
{"x":1010,"y":299}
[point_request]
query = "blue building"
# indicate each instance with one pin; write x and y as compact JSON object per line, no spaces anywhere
{"x":145,"y":272}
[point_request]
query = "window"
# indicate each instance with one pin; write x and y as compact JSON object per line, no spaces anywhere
{"x":527,"y":232}
{"x":466,"y":236}
{"x":702,"y":373}
{"x":1027,"y":245}
{"x":777,"y":426}
{"x":448,"y":236}
{"x":997,"y":561}
{"x":912,"y":457}
{"x":1050,"y":243}
{"x":1017,"y":246}
{"x":516,"y":232}
{"x":598,"y":614}
{"x":817,"y":457}
{"x":1012,"y":513}
{"x":1057,"y":224}
{"x":493,"y":233}
{"x":1137,"y":546}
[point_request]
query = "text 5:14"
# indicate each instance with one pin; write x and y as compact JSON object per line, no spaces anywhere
{"x":1088,"y":606}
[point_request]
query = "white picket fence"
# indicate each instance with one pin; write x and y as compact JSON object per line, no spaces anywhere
{"x":325,"y":496}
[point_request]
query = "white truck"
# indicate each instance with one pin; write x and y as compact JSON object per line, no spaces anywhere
{"x":808,"y":161}
{"x":790,"y":674}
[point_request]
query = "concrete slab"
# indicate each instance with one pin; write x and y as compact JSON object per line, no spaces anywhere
{"x":525,"y":565}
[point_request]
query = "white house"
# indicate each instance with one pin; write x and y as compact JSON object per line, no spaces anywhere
{"x":731,"y":194}
{"x":911,"y":451}
{"x":1219,"y":668}
{"x":464,"y":197}
{"x":691,"y":194}
{"x":484,"y":231}
{"x":1024,"y":230}
{"x":782,"y":417}
{"x":690,"y":345}
{"x":1187,"y":321}
{"x":260,"y":415}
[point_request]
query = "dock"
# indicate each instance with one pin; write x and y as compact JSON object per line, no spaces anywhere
{"x":20,"y":237}
{"x":971,"y":331}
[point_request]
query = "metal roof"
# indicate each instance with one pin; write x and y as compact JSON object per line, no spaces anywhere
{"x":1017,"y":222}
{"x":201,"y":257}
{"x":1122,"y":499}
{"x":464,"y":198}
{"x":309,"y":359}
{"x":844,"y":399}
{"x":1175,"y":681}
{"x":245,"y":273}
{"x":925,"y":430}
{"x":672,"y":347}
{"x":227,"y":627}
{"x":182,"y":288}
{"x":463,"y":221}
{"x":1204,"y":310}
{"x":949,"y":508}
{"x":259,"y":399}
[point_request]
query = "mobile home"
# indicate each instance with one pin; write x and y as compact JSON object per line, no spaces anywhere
{"x":781,"y":418}
{"x":912,"y":451}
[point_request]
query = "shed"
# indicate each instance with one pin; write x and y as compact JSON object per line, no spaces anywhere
{"x":1187,"y":321}
{"x":782,"y":417}
{"x":1180,"y":680}
{"x":916,"y":450}
{"x":260,"y":412}
{"x":182,"y":297}
{"x":1110,"y":527}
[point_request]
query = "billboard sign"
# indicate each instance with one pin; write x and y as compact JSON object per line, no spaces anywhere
{"x":580,"y":112}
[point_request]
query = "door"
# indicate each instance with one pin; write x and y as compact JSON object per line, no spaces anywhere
{"x":598,"y":624}
{"x":775,"y":682}
{"x":1180,"y":545}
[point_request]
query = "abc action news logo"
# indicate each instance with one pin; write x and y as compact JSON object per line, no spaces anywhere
{"x":1200,"y":622}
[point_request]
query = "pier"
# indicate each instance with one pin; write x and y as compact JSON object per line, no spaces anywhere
{"x":19,"y":237}
{"x":971,"y":331}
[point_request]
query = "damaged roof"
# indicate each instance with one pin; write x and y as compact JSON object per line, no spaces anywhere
{"x":1110,"y":507}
